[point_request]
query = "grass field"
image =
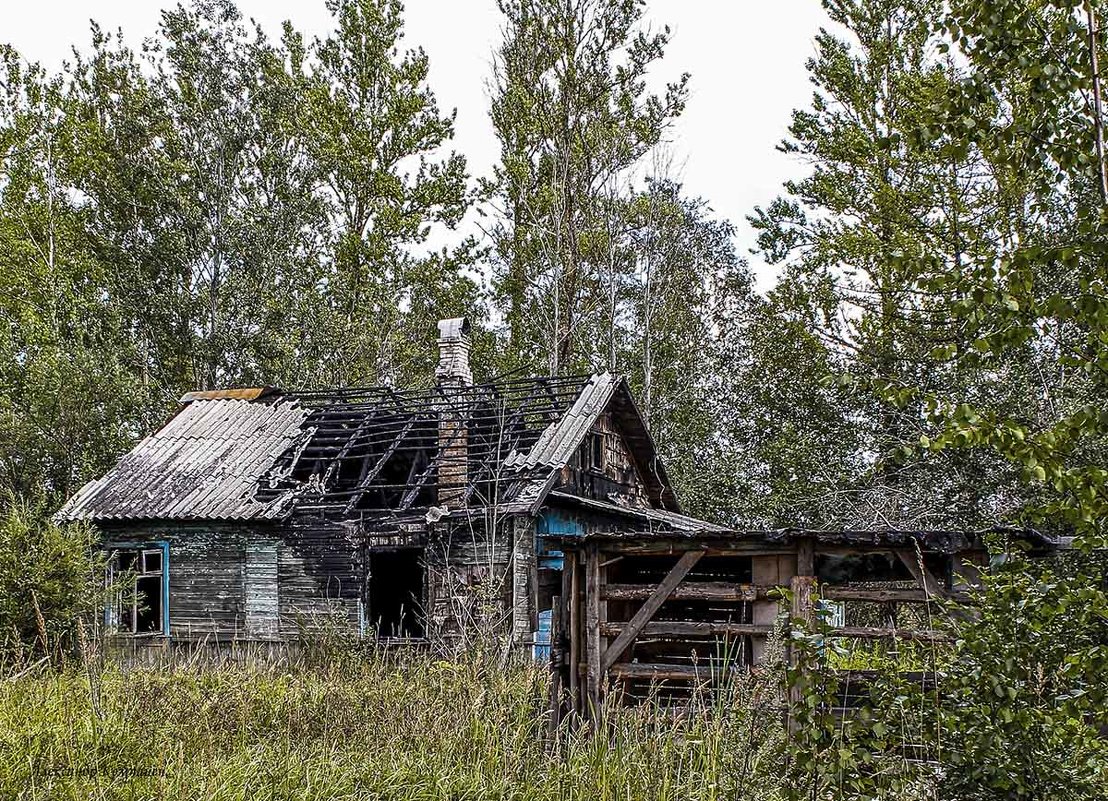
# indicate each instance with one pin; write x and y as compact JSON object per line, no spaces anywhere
{"x":364,"y":727}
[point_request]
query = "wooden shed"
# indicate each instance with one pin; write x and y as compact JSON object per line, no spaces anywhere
{"x":681,"y":608}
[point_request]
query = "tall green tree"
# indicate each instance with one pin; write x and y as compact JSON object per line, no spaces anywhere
{"x":376,"y":138}
{"x":67,"y":393}
{"x":1029,"y":108}
{"x":574,"y":117}
{"x":858,"y":237}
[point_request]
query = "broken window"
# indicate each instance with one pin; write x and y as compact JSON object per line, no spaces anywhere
{"x":139,"y":605}
{"x":594,"y":452}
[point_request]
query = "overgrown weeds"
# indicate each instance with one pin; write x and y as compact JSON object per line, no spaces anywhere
{"x":382,"y":725}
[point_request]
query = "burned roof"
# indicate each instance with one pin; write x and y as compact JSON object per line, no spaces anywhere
{"x":260,"y":454}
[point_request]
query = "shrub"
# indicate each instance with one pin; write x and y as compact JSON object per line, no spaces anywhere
{"x":50,"y":577}
{"x":1025,"y":696}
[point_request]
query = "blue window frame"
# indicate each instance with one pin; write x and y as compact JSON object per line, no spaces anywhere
{"x":140,"y":609}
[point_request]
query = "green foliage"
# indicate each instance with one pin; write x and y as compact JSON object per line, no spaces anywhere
{"x":857,"y":238}
{"x":877,"y":748}
{"x":1016,"y":711}
{"x":1024,"y":697}
{"x":214,"y":209}
{"x":50,"y":578}
{"x":372,"y":130}
{"x":574,"y":117}
{"x":1027,"y":287}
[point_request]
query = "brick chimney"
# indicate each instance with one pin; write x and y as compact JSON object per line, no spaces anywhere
{"x":453,"y":369}
{"x":453,"y":375}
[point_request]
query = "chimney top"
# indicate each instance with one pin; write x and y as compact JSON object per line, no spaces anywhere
{"x":453,"y":328}
{"x":453,"y":368}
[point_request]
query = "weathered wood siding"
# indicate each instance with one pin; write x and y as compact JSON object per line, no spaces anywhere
{"x":617,"y":479}
{"x":231,"y":581}
{"x":321,"y":574}
{"x":470,"y":581}
{"x":207,"y":592}
{"x":262,"y":588}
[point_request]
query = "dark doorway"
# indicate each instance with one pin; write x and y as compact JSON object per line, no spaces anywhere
{"x":396,"y":593}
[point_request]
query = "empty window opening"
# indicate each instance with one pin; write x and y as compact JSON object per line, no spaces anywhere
{"x":396,"y":593}
{"x":594,"y":452}
{"x":139,"y":604}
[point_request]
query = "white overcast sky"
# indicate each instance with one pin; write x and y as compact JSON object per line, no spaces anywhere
{"x":746,"y":58}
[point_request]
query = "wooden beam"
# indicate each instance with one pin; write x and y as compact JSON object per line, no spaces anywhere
{"x":571,"y":562}
{"x":661,"y":672}
{"x":670,"y":547}
{"x":922,"y":575}
{"x":690,"y":591}
{"x":554,"y":701}
{"x":803,"y":605}
{"x":803,"y":612}
{"x":877,"y":595}
{"x":372,"y":473}
{"x":689,"y":628}
{"x":876,"y":633}
{"x":805,"y":557}
{"x":649,"y":607}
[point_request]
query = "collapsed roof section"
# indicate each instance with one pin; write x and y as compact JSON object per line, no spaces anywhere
{"x":244,"y":454}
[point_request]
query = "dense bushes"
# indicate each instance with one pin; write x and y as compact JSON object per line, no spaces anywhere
{"x":50,"y":577}
{"x":1015,"y":710}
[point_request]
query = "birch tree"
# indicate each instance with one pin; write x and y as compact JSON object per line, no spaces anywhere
{"x":574,"y":116}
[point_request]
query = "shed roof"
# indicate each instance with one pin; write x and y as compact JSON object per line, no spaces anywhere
{"x":687,"y":532}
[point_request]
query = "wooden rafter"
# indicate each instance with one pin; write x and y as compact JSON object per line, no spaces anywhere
{"x":379,"y":465}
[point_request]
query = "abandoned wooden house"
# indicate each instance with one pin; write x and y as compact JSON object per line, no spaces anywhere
{"x":535,"y":509}
{"x":402,"y":513}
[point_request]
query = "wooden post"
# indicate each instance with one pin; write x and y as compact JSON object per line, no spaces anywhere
{"x":592,"y":631}
{"x":523,"y":566}
{"x":556,"y":659}
{"x":802,"y":611}
{"x":573,"y":559}
{"x":766,"y":571}
{"x":803,"y":605}
{"x":805,"y":557}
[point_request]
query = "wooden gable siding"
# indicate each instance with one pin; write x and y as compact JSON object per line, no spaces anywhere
{"x":616,"y":478}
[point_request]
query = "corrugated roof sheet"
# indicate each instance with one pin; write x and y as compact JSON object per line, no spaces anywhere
{"x":205,"y":463}
{"x":562,"y":437}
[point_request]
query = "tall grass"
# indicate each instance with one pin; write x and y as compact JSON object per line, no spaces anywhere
{"x":367,"y":727}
